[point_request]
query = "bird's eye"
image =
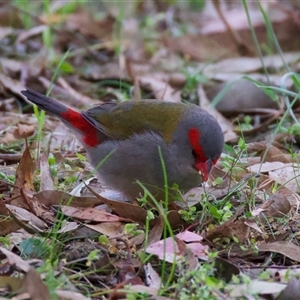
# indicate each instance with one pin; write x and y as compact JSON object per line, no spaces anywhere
{"x":194,"y":154}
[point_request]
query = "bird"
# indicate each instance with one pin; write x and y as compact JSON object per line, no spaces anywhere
{"x":137,"y":144}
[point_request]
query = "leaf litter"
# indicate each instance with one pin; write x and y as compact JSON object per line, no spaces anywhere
{"x":245,"y":220}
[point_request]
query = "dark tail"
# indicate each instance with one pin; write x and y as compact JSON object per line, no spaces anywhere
{"x":45,"y":103}
{"x":85,"y":130}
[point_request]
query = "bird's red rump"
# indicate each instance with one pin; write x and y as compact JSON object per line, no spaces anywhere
{"x":89,"y":132}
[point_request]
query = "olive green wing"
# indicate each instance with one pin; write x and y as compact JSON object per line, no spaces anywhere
{"x":120,"y":121}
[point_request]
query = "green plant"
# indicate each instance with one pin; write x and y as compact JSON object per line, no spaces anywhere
{"x":93,"y":256}
{"x":190,"y":215}
{"x":221,"y":212}
{"x":25,"y":5}
{"x":198,"y":284}
{"x":132,"y":229}
{"x":52,"y":280}
{"x":4,"y":241}
{"x":8,"y":178}
{"x":162,"y":208}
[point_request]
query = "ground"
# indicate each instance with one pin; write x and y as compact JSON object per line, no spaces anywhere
{"x":64,"y":236}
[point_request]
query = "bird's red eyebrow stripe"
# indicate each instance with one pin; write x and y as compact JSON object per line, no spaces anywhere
{"x":194,"y":137}
{"x":78,"y":121}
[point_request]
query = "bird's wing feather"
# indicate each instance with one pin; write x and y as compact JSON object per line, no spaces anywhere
{"x":120,"y":121}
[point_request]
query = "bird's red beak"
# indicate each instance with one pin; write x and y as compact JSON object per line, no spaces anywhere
{"x":204,"y":168}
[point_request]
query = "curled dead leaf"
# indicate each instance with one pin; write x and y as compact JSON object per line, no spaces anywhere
{"x":277,"y":206}
{"x":24,"y":177}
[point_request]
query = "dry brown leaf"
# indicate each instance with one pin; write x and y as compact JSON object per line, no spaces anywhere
{"x":287,"y":176}
{"x":256,"y":287}
{"x":253,"y":225}
{"x":12,"y":85}
{"x":87,"y":25}
{"x":278,"y":206}
{"x":200,"y":47}
{"x":194,"y":196}
{"x":169,"y":250}
{"x":287,"y":249}
{"x":27,"y":219}
{"x":270,"y":153}
{"x":231,"y":228}
{"x":59,"y":197}
{"x":77,"y":97}
{"x":111,"y":229}
{"x":32,"y":281}
{"x":27,"y":34}
{"x":153,"y":280}
{"x":214,"y":41}
{"x":34,"y":285}
{"x":17,"y":132}
{"x":68,"y":295}
{"x":175,"y":220}
{"x":127,"y":210}
{"x":266,"y":184}
{"x":156,"y":231}
{"x":9,"y":124}
{"x":10,"y":66}
{"x":14,"y":259}
{"x":158,"y":83}
{"x":124,"y":209}
{"x":91,"y":214}
{"x":7,"y":225}
{"x":267,"y":167}
{"x":188,"y":237}
{"x":244,"y":65}
{"x":24,"y":177}
{"x":274,"y":154}
{"x":25,"y":130}
{"x":38,"y":208}
{"x":191,"y":261}
{"x":67,"y":226}
{"x":240,"y":45}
